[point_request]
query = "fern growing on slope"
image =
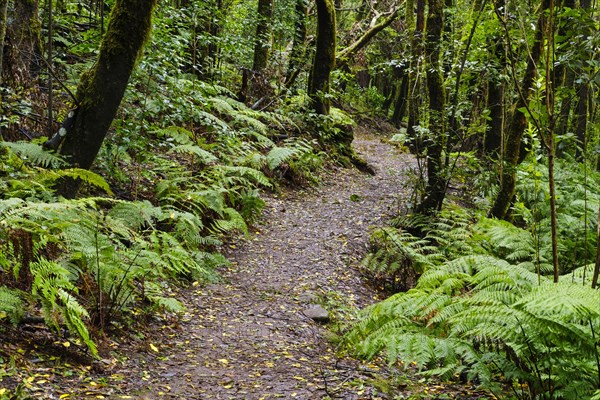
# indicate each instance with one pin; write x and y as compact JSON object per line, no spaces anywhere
{"x":500,"y":321}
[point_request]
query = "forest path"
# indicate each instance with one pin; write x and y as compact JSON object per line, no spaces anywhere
{"x":248,"y":337}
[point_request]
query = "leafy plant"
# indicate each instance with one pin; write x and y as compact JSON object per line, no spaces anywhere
{"x":500,"y":321}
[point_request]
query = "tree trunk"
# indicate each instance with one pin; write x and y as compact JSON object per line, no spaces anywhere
{"x":435,"y":190}
{"x":581,"y":121}
{"x":101,"y":89}
{"x":492,"y":142}
{"x":298,"y":45}
{"x":3,"y":20}
{"x":401,"y":100}
{"x":262,"y":41}
{"x":414,"y":85}
{"x":512,"y":156}
{"x":324,"y":60}
{"x":583,"y":105}
{"x":23,"y":46}
{"x":493,"y":138}
{"x":597,"y":266}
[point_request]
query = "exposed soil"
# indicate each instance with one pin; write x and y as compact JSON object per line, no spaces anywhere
{"x":248,"y":336}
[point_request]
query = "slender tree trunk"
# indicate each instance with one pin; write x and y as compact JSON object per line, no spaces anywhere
{"x":493,"y":138}
{"x":3,"y":15}
{"x":583,"y":105}
{"x":414,"y":86}
{"x":435,"y":190}
{"x":298,"y":45}
{"x":401,"y":97}
{"x":597,"y":266}
{"x":324,"y":60}
{"x":581,"y":121}
{"x":101,"y":89}
{"x":512,"y":156}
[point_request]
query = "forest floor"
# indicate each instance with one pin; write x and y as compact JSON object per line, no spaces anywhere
{"x":250,"y":335}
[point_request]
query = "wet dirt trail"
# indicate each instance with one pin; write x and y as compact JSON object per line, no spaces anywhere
{"x":250,"y":336}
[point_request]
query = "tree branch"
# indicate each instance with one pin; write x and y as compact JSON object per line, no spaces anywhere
{"x":342,"y":57}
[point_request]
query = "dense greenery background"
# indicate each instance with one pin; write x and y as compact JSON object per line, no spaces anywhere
{"x":494,"y":270}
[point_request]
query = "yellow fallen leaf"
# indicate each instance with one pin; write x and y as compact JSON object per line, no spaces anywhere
{"x":223,"y":361}
{"x":3,"y":391}
{"x":67,"y":344}
{"x":153,"y":348}
{"x":64,"y":396}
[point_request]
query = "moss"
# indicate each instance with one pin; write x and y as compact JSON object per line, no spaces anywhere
{"x":101,"y":89}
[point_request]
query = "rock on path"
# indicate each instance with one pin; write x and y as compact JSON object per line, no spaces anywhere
{"x":249,"y":337}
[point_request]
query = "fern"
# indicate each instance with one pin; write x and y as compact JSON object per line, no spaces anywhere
{"x":463,"y":311}
{"x":278,"y":155}
{"x":35,"y":154}
{"x":203,"y":156}
{"x":11,"y":305}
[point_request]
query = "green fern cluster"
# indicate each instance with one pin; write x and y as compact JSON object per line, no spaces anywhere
{"x":497,"y":322}
{"x":397,"y":257}
{"x":483,"y":309}
{"x":31,"y":171}
{"x":577,"y":198}
{"x":111,"y":254}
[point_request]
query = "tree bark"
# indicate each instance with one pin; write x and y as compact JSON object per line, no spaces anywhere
{"x":401,"y":100}
{"x":3,"y":15}
{"x":101,"y":89}
{"x":262,"y":41}
{"x":435,"y":190}
{"x":23,"y":45}
{"x":583,"y":105}
{"x":414,"y":85}
{"x":492,"y":143}
{"x":324,"y":60}
{"x":512,"y":156}
{"x":298,"y":45}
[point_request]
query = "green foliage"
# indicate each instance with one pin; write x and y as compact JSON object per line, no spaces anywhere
{"x":11,"y":305}
{"x":577,"y":198}
{"x":35,"y":154}
{"x":482,"y":308}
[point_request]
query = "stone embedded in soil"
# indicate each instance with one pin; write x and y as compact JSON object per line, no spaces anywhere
{"x":307,"y":297}
{"x":317,"y":313}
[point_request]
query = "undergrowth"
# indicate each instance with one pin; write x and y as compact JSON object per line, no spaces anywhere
{"x":475,"y":298}
{"x":186,"y":163}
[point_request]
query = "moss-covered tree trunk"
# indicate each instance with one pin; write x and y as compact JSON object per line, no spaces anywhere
{"x":262,"y":40}
{"x":23,"y":47}
{"x":101,"y":89}
{"x":435,"y":190}
{"x":324,"y":60}
{"x":512,"y":156}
